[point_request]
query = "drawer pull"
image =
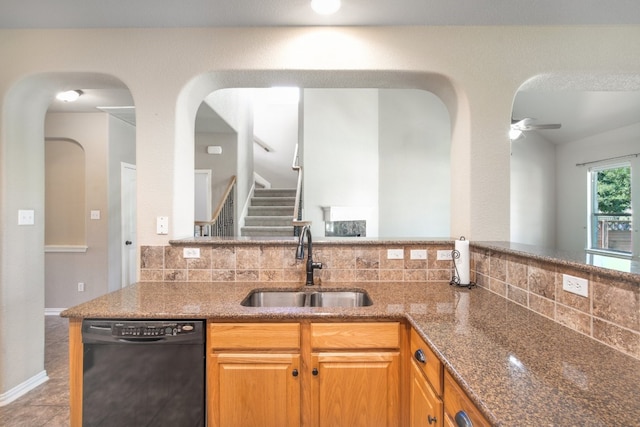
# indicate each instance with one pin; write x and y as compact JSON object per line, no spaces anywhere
{"x":431,"y":419}
{"x":420,"y":357}
{"x":463,"y":420}
{"x":315,"y":371}
{"x":294,"y":373}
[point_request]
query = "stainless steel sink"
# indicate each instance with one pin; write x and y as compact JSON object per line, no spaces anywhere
{"x":275,"y":299}
{"x":286,"y":298}
{"x":340,"y":299}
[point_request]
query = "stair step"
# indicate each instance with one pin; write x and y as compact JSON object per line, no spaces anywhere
{"x":275,"y":192}
{"x":270,"y":210}
{"x":273,"y":201}
{"x":253,"y":231}
{"x":269,"y":220}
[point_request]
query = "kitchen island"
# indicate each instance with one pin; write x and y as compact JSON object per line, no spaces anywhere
{"x":519,"y":368}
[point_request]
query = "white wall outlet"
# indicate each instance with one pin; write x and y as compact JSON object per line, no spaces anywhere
{"x":80,"y":286}
{"x":575,"y":285}
{"x":191,"y":252}
{"x":95,"y":214}
{"x":162,"y":225}
{"x":418,"y":254}
{"x":444,"y":255}
{"x":395,"y":253}
{"x":26,"y":217}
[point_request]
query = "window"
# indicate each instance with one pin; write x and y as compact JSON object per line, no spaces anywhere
{"x":611,"y":214}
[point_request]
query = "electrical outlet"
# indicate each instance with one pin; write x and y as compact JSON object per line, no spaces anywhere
{"x":95,"y":214}
{"x":418,"y":253}
{"x":395,"y":253}
{"x":191,"y":252}
{"x":444,"y":255}
{"x":80,"y":286}
{"x":575,"y":285}
{"x":26,"y":217}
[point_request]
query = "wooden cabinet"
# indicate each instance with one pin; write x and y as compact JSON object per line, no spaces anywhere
{"x":253,"y":375}
{"x":457,"y":403}
{"x":355,"y":374}
{"x":309,"y":374}
{"x":425,"y":385}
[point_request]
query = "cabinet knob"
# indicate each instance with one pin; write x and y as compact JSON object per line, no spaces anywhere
{"x":431,"y":419}
{"x":315,"y":371}
{"x":294,"y":373}
{"x":420,"y":357}
{"x":463,"y":420}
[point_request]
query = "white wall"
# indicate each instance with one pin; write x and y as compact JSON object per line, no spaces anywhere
{"x":476,"y":80}
{"x":533,"y":191}
{"x":340,"y":154}
{"x":415,"y":166}
{"x":572,"y":180}
{"x":223,"y":165}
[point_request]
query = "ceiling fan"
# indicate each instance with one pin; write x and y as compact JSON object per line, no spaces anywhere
{"x":519,"y":126}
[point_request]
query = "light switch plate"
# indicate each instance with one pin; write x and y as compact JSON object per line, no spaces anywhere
{"x":162,"y":225}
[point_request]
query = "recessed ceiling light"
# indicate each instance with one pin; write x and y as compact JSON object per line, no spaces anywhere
{"x":325,"y":7}
{"x":69,"y":96}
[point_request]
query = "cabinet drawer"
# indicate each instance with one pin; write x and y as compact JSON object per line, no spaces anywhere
{"x":266,"y":336}
{"x":355,"y":335}
{"x":431,"y":366}
{"x":456,"y":400}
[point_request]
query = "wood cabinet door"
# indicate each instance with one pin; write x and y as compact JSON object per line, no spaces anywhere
{"x":355,"y":389}
{"x":425,"y":406}
{"x":254,"y":390}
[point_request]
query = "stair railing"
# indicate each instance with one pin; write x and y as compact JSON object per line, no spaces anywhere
{"x":222,"y":222}
{"x":298,"y":223}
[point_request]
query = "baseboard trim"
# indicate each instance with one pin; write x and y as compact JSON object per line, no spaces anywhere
{"x":23,"y":388}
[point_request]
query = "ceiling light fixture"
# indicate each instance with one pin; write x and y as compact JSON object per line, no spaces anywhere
{"x":69,"y":96}
{"x":514,"y":133}
{"x":325,"y":7}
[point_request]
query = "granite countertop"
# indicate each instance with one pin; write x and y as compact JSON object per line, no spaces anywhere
{"x":520,"y":368}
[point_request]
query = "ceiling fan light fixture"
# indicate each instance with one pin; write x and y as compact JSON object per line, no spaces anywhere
{"x":514,"y":133}
{"x":69,"y":95}
{"x":325,"y":7}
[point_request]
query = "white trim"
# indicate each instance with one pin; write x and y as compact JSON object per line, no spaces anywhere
{"x":53,"y":311}
{"x":23,"y":388}
{"x":66,"y":248}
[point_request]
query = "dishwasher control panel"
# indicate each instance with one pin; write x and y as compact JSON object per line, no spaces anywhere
{"x":96,"y":330}
{"x":153,"y":330}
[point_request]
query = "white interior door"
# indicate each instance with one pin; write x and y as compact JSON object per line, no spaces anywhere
{"x":203,"y":209}
{"x":128,"y":177}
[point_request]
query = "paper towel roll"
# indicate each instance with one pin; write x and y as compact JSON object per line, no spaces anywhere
{"x":462,"y":262}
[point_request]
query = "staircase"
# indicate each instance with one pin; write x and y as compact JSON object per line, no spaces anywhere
{"x":270,"y":213}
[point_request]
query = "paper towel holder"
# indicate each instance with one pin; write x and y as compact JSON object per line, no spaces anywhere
{"x":455,"y":279}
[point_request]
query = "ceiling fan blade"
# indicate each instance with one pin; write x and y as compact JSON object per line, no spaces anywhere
{"x":543,"y":126}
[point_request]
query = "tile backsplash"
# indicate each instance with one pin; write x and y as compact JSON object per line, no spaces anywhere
{"x":610,"y":314}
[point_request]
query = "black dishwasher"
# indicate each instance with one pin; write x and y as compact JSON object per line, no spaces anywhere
{"x":143,"y":373}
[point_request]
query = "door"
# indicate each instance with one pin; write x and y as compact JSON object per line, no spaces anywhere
{"x":426,"y":406}
{"x":128,"y":178}
{"x":203,"y":209}
{"x":254,"y":390}
{"x":355,"y":389}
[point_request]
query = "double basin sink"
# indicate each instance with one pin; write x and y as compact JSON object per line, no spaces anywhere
{"x":328,"y":298}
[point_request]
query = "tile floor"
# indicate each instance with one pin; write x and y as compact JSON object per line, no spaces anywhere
{"x":48,"y":404}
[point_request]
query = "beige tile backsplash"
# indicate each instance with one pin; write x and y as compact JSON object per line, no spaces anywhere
{"x":610,"y":314}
